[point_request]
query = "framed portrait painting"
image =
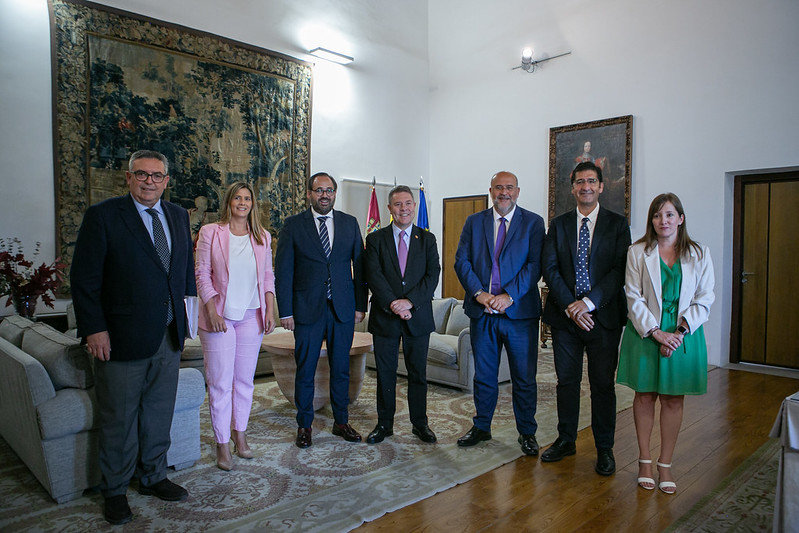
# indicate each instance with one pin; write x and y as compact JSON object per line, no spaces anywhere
{"x":608,"y":144}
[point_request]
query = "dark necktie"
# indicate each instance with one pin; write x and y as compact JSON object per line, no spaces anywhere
{"x":162,"y":247}
{"x":583,"y":283}
{"x":402,"y":252}
{"x":496,"y":285}
{"x":324,"y":236}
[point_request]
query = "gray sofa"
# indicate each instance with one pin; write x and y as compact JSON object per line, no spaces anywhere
{"x":47,"y":408}
{"x":449,"y":356}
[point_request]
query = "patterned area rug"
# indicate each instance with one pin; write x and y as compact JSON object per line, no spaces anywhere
{"x":744,"y":501}
{"x":332,"y":486}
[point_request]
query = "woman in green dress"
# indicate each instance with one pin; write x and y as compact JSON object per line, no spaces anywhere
{"x":669,"y":287}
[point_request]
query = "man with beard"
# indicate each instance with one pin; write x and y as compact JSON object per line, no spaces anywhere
{"x":498,"y":262}
{"x":321,"y":296}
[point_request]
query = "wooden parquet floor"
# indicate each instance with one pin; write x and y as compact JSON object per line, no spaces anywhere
{"x":720,"y":429}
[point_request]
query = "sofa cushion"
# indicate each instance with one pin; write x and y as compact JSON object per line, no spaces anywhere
{"x":443,"y":350}
{"x":192,"y":350}
{"x":458,"y":321}
{"x":12,"y":327}
{"x":65,"y":360}
{"x":70,"y":412}
{"x":441,"y":309}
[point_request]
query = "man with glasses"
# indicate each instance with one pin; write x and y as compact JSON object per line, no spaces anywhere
{"x":132,"y":268}
{"x":498,"y":262}
{"x":321,"y":296}
{"x":584,"y":259}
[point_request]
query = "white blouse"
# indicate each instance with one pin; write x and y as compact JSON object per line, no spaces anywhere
{"x":242,"y":288}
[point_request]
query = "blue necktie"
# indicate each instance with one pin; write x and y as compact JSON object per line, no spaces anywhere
{"x":583,"y":283}
{"x":162,"y":247}
{"x":324,"y":236}
{"x":496,"y":285}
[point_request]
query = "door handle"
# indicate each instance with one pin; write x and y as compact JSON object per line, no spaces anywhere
{"x":745,"y":276}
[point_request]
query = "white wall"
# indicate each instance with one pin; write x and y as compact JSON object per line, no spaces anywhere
{"x":711,"y":85}
{"x":369,"y":118}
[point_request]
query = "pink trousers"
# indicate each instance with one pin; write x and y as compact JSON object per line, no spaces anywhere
{"x":230,"y":358}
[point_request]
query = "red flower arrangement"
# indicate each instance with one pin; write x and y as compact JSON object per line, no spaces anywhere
{"x":21,"y":282}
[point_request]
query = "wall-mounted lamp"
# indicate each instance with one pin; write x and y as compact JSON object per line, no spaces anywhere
{"x":330,"y":55}
{"x":528,"y":65}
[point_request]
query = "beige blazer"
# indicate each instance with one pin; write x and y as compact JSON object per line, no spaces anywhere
{"x":643,"y":289}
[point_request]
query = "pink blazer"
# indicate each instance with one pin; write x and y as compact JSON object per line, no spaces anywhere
{"x":211,"y":269}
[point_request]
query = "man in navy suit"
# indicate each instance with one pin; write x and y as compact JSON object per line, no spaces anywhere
{"x":401,"y":267}
{"x":321,"y":296}
{"x":498,"y":262}
{"x":584,"y":260}
{"x":132,"y":268}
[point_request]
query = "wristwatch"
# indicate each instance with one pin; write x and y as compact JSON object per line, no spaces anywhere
{"x":478,"y":293}
{"x":682,"y":330}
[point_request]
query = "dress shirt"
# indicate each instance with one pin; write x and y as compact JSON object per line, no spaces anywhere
{"x":148,"y":220}
{"x":242,"y":289}
{"x":328,"y":223}
{"x":497,"y":222}
{"x":591,"y":225}
{"x":407,"y":238}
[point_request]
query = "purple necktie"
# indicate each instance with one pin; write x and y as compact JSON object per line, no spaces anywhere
{"x":402,"y":252}
{"x":496,"y":287}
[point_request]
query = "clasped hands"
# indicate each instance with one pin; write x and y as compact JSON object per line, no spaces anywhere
{"x":579,"y":313}
{"x":668,"y":341}
{"x":494,"y":303}
{"x":402,"y":308}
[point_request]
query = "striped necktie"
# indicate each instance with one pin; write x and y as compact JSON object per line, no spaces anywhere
{"x":324,"y":236}
{"x":162,"y":247}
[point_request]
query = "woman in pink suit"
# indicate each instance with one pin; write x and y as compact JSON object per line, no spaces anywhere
{"x":236,"y":285}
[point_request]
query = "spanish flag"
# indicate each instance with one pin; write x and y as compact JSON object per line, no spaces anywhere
{"x":373,"y":218}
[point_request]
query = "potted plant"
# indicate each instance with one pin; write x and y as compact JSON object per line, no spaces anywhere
{"x":22,"y":283}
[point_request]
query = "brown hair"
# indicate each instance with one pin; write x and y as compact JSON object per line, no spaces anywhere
{"x":684,"y":243}
{"x":253,"y":218}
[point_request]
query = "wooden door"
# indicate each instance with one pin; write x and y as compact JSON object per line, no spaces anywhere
{"x":767,"y":283}
{"x":456,"y":211}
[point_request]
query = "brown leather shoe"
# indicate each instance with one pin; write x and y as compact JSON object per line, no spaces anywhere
{"x":303,"y":438}
{"x":347,"y":432}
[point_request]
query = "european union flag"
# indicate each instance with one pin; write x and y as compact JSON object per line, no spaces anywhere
{"x":421,"y":217}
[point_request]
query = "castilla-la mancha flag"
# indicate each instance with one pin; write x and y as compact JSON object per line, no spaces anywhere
{"x":373,"y":218}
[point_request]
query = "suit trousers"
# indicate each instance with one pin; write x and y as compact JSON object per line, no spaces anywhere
{"x":386,"y":359}
{"x":136,"y":400}
{"x":489,"y":334}
{"x":307,"y":346}
{"x":602,"y":348}
{"x":230,"y":359}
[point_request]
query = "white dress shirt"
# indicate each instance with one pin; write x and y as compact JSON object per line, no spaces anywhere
{"x":242,"y":288}
{"x":328,"y":223}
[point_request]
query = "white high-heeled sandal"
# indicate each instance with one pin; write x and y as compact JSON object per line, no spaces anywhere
{"x":649,"y":480}
{"x":664,"y":485}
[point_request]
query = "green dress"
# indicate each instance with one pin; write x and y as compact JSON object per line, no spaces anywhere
{"x":643,"y":369}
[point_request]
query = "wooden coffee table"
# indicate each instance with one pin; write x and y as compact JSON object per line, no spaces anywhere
{"x":281,"y":347}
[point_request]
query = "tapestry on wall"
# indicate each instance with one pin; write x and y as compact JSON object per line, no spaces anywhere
{"x":220,"y":110}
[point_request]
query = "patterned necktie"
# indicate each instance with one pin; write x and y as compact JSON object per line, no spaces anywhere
{"x":324,"y":236}
{"x":162,"y":247}
{"x":583,"y":283}
{"x":496,"y":286}
{"x":402,"y":252}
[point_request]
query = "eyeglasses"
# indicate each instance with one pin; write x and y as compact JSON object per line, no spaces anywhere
{"x":589,"y":181}
{"x":500,"y":188}
{"x":157,"y":177}
{"x":320,"y":191}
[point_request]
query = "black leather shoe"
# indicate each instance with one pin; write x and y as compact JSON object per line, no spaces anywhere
{"x":347,"y":432}
{"x":424,"y":433}
{"x":303,"y":438}
{"x":379,"y":433}
{"x":473,"y":436}
{"x":165,"y":490}
{"x":605,"y":463}
{"x":529,"y":444}
{"x":116,"y":510}
{"x":559,"y":449}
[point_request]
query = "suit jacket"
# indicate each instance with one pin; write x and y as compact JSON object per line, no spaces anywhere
{"x":213,"y":249}
{"x":644,"y":290}
{"x":302,"y":269}
{"x":519,"y":261}
{"x":605,"y":268}
{"x":118,"y":282}
{"x":383,"y":277}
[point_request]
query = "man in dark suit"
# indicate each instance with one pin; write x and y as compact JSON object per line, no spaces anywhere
{"x":321,"y":296}
{"x":132,"y":268}
{"x":498,"y":262}
{"x":401,"y":266}
{"x":584,"y":260}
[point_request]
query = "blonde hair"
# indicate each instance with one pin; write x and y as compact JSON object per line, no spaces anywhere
{"x":253,"y":218}
{"x":684,"y":243}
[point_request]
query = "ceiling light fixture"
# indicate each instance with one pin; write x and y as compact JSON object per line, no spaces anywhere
{"x":330,"y":55}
